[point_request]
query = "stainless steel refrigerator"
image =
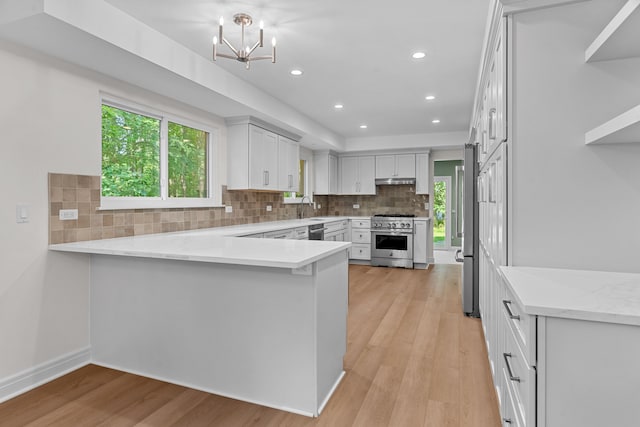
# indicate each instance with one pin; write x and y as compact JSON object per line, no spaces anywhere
{"x":469,"y":254}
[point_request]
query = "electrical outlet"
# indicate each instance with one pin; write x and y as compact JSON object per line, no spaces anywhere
{"x":319,"y":206}
{"x":68,"y":214}
{"x":356,"y":206}
{"x":228,"y":209}
{"x":269,"y":208}
{"x":426,"y":206}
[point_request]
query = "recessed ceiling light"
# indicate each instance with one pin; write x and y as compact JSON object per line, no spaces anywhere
{"x":296,"y":72}
{"x":363,"y":126}
{"x":418,"y":55}
{"x":436,"y":121}
{"x":429,"y":97}
{"x":338,"y":106}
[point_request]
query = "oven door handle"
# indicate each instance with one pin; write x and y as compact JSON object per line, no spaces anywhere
{"x":392,"y":233}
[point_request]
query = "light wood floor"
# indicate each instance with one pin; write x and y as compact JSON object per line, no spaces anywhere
{"x":412,"y":360}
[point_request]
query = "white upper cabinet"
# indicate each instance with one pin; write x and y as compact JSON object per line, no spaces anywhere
{"x":357,"y":175}
{"x":263,"y":159}
{"x":325,"y":166}
{"x":288,"y":164}
{"x":396,"y":166}
{"x":258,"y":158}
{"x":491,"y":117}
{"x":422,"y":173}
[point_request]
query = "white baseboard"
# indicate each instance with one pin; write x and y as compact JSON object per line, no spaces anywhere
{"x":205,"y":389}
{"x":33,"y":377}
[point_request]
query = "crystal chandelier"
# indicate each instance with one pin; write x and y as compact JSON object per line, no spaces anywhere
{"x":243,"y":54}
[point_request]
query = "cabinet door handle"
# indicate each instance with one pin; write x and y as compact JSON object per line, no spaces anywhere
{"x":492,"y":123}
{"x":509,"y":312}
{"x":290,"y":181}
{"x":507,"y":420}
{"x":267,"y":183}
{"x":508,"y":365}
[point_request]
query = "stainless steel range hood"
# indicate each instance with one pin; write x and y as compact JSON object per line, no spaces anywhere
{"x":395,"y":181}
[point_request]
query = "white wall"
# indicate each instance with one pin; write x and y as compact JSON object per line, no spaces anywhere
{"x":573,"y":206}
{"x":50,"y":121}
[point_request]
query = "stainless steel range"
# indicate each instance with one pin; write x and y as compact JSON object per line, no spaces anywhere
{"x":392,"y":240}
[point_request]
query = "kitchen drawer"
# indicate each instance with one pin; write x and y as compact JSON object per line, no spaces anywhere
{"x":520,"y":378}
{"x":333,"y":226}
{"x":301,"y":233}
{"x":509,"y":415}
{"x":360,"y":236}
{"x":280,"y":234}
{"x":522,"y":325}
{"x":361,"y":223}
{"x":361,"y":252}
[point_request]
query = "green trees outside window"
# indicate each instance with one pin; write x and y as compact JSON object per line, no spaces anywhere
{"x":187,"y":161}
{"x":130,"y":154}
{"x":132,"y":164}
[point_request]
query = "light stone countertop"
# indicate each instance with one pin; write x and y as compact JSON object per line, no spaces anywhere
{"x":219,"y":245}
{"x":576,"y":294}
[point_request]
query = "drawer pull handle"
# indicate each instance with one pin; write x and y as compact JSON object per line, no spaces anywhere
{"x":508,"y":365}
{"x":509,"y":312}
{"x":507,"y":420}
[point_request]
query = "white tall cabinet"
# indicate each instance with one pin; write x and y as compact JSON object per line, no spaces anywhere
{"x":543,"y":93}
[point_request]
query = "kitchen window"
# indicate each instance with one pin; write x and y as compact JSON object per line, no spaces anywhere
{"x":151,"y":159}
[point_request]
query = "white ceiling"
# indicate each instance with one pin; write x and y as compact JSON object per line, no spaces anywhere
{"x":354,"y":52}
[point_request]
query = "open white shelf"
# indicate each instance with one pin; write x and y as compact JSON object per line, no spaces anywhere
{"x":620,"y":38}
{"x":624,"y":128}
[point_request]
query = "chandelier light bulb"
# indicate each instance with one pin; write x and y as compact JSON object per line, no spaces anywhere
{"x":273,"y":42}
{"x":221,"y":21}
{"x":215,"y":40}
{"x":262,"y":25}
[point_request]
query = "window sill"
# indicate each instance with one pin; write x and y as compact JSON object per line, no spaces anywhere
{"x":111,"y":204}
{"x":295,"y":201}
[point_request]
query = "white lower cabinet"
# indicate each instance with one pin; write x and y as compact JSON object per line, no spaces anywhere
{"x":361,"y":239}
{"x":337,"y":231}
{"x":554,"y":371}
{"x":420,"y":241}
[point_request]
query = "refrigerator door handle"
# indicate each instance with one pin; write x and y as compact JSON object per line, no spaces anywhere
{"x":458,"y":259}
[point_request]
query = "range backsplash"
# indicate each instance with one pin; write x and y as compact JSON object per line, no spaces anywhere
{"x":82,"y":192}
{"x":390,"y":199}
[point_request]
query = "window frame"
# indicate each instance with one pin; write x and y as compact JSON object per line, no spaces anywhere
{"x":214,"y":196}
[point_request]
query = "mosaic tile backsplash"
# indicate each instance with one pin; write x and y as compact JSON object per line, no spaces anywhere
{"x":82,"y":192}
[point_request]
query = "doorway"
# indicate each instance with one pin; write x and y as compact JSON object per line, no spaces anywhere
{"x":442,"y":212}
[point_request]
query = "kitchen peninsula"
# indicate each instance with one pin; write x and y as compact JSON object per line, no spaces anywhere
{"x":260,"y":320}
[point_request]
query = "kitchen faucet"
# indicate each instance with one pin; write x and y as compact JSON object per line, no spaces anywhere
{"x":301,"y":206}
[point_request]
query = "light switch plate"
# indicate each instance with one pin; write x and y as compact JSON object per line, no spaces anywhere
{"x":426,"y":206}
{"x":22,"y":214}
{"x":269,"y":208}
{"x":228,"y":209}
{"x":68,"y":214}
